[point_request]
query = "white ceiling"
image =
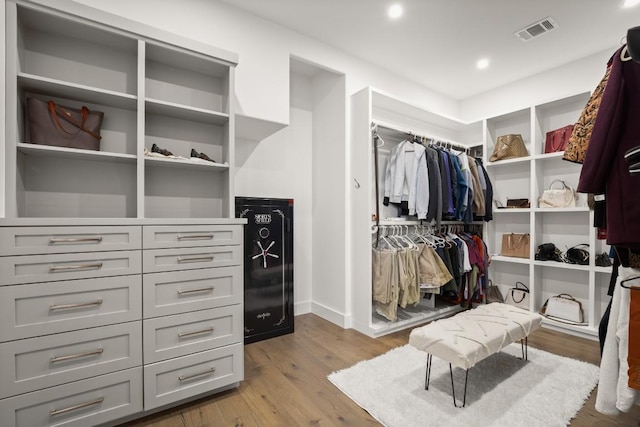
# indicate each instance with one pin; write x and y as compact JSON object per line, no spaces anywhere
{"x":437,"y":43}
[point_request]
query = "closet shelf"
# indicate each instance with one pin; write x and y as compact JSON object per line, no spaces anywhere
{"x":563,"y":265}
{"x":562,"y":326}
{"x":59,"y":88}
{"x":186,"y":164}
{"x":185,"y":112}
{"x":382,"y":327}
{"x":502,"y":258}
{"x":73,"y":153}
{"x":547,"y":156}
{"x":508,"y":161}
{"x":254,"y":128}
{"x":511,"y":210}
{"x":605,"y":270}
{"x":576,"y":209}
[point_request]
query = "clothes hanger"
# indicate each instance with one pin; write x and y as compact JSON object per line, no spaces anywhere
{"x":426,"y":237}
{"x":633,"y":288}
{"x":407,"y":239}
{"x":419,"y":236}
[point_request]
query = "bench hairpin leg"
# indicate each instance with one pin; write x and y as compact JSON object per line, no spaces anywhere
{"x":453,"y":391}
{"x":428,"y":374}
{"x":524,"y":344}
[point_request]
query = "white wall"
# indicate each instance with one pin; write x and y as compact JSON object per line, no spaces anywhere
{"x":280,"y":166}
{"x":569,"y":79}
{"x":330,"y":288}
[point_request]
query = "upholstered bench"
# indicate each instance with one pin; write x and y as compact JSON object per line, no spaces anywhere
{"x":470,"y":336}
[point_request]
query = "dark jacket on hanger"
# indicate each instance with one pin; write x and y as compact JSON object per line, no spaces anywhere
{"x":444,"y":182}
{"x":488,"y":196}
{"x":435,"y":185}
{"x":616,"y":130}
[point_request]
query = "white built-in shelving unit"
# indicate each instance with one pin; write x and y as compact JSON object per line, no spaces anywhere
{"x":121,"y":274}
{"x":528,"y":177}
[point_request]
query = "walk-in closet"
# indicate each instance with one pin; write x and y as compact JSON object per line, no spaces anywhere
{"x":238,"y":212}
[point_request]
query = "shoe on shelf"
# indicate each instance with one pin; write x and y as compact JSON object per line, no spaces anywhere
{"x":163,"y":151}
{"x":195,"y":154}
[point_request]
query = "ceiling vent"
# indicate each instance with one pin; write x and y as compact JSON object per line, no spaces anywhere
{"x":537,"y":29}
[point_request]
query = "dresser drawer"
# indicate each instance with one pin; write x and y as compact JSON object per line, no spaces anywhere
{"x":47,"y":308}
{"x":187,"y":236}
{"x":157,"y":260}
{"x":84,"y":403}
{"x":55,"y":240}
{"x":176,"y":379}
{"x":37,"y":363}
{"x":183,"y":291}
{"x":46,"y":268}
{"x":182,"y":334}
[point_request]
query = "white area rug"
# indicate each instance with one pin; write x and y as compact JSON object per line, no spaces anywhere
{"x":547,"y":390}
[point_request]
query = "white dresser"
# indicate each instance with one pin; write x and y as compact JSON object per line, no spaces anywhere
{"x":107,"y":322}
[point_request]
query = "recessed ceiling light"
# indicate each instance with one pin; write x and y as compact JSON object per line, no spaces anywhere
{"x":395,"y":11}
{"x":482,"y":64}
{"x":630,"y":3}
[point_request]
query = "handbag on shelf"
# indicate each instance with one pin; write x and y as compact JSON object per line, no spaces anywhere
{"x":578,"y":254}
{"x":556,"y":140}
{"x":548,"y":252}
{"x":514,"y":204}
{"x":509,"y":147}
{"x":61,"y":126}
{"x":563,"y":308}
{"x":564,"y":197}
{"x":518,"y":203}
{"x":579,"y":140}
{"x":515,"y":245}
{"x":493,"y":293}
{"x":603,"y":260}
{"x":518,"y":296}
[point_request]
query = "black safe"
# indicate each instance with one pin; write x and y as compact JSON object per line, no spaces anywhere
{"x":268,"y":267}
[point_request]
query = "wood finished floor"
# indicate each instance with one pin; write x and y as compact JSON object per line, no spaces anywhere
{"x":286,"y":381}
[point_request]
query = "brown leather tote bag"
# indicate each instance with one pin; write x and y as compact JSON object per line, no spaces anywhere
{"x":61,"y":126}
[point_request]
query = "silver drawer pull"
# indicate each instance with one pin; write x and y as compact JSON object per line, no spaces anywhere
{"x":207,"y":236}
{"x":195,"y":259}
{"x":76,"y":356}
{"x":55,"y":240}
{"x":190,"y":334}
{"x":193,"y":291}
{"x":75,"y":305}
{"x":199,"y":374}
{"x":76,"y":407}
{"x":54,"y":268}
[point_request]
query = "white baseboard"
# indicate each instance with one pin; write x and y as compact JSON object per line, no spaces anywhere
{"x":301,"y":308}
{"x":326,"y":313}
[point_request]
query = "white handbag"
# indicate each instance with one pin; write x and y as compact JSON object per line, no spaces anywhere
{"x":564,"y":197}
{"x":563,"y":308}
{"x":518,"y":296}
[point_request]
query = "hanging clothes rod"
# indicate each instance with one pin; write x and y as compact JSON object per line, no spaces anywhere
{"x":446,"y":143}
